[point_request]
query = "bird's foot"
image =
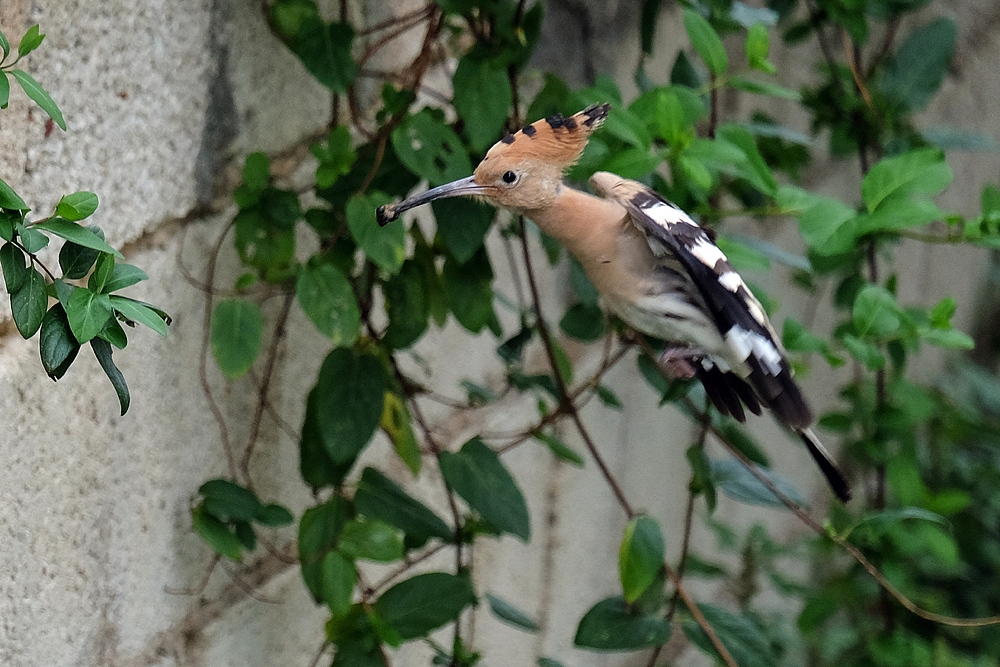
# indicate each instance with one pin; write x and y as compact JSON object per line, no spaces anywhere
{"x":679,"y":362}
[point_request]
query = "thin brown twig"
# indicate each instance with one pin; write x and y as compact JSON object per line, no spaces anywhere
{"x":406,"y":566}
{"x":266,"y":375}
{"x":206,"y":326}
{"x":565,"y":403}
{"x":688,"y":521}
{"x":609,"y":478}
{"x":390,"y":23}
{"x":852,"y":550}
{"x":851,"y":54}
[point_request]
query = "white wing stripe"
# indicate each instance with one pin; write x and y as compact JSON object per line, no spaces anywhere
{"x":745,"y":343}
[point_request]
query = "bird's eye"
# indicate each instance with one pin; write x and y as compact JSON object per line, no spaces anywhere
{"x":509,"y":177}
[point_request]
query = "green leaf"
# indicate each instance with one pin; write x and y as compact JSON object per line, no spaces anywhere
{"x":237,"y":329}
{"x":469,"y":288}
{"x":742,"y":638}
{"x":102,"y":350}
{"x":76,"y":233}
{"x":421,"y":604}
{"x":77,"y":206}
{"x":914,"y":73}
{"x":462,"y":225}
{"x":764,"y":88}
{"x":706,"y":41}
{"x":246,"y":535}
{"x":406,"y":305}
{"x":39,"y":96}
{"x":28,"y":303}
{"x":4,"y":46}
{"x":335,"y":157}
{"x":380,"y":498}
{"x":742,"y":257}
{"x":505,"y":611}
{"x":951,"y":339}
{"x":876,"y":312}
{"x":701,"y":476}
{"x":717,"y":155}
{"x":397,"y":424}
{"x":10,"y":199}
{"x":757,"y":47}
{"x":102,"y":272}
{"x":30,"y":41}
{"x":318,"y":531}
{"x":640,"y":556}
{"x":371,"y":539}
{"x":339,"y":577}
{"x":216,"y":534}
{"x":921,"y":172}
{"x":754,"y":169}
{"x":137,"y":311}
{"x":114,"y":334}
{"x":430,"y":149}
{"x":611,"y":625}
{"x":317,"y":468}
{"x":557,"y":447}
{"x":482,"y":99}
{"x":608,"y":397}
{"x":349,"y":402}
{"x":56,"y":344}
{"x":76,"y":260}
{"x":820,"y":218}
{"x":14,"y":266}
{"x":328,"y":299}
{"x":895,"y":214}
{"x":228,"y":501}
{"x":4,"y":90}
{"x":863,"y":351}
{"x":386,"y":246}
{"x":877,"y":523}
{"x":478,"y":475}
{"x":122,"y":276}
{"x":273,"y":515}
{"x":31,"y":239}
{"x":672,"y":112}
{"x":743,"y":486}
{"x":324,"y":49}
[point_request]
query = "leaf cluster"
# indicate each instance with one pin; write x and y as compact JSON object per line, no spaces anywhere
{"x":92,"y":312}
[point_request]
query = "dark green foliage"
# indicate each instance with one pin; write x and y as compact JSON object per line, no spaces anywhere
{"x":481,"y":479}
{"x":225,"y":516}
{"x":612,"y":625}
{"x":377,"y":292}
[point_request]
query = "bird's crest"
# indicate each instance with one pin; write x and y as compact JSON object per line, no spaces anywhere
{"x":557,"y":140}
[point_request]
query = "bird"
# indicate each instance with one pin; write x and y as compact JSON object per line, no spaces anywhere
{"x":653,"y":266}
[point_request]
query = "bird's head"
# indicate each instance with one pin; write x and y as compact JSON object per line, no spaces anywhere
{"x":522,"y":171}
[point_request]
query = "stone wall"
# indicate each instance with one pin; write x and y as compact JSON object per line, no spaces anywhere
{"x":163,"y":98}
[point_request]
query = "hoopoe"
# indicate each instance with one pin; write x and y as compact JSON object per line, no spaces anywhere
{"x":653,"y":266}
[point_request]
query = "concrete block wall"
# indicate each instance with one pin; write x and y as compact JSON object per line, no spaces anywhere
{"x":98,"y":564}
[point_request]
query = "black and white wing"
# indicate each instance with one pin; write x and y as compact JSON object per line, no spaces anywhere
{"x":741,"y":321}
{"x":751,"y":343}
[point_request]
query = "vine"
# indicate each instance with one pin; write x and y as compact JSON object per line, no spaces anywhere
{"x":84,"y":312}
{"x":374,"y":293}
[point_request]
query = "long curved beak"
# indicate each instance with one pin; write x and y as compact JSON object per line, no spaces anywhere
{"x":463,"y":186}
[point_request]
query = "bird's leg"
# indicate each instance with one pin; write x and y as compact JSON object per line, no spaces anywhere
{"x":678,"y":361}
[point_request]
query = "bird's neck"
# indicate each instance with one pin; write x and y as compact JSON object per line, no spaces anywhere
{"x":585,"y":224}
